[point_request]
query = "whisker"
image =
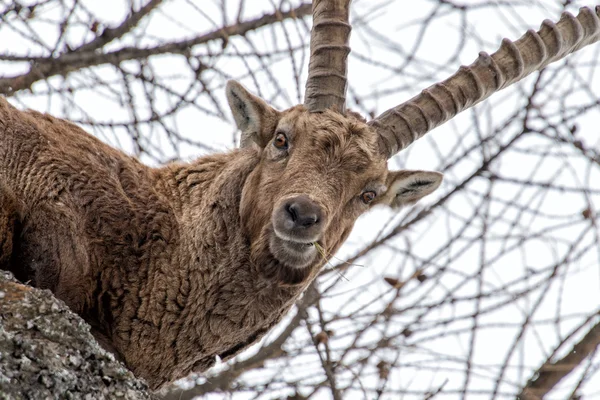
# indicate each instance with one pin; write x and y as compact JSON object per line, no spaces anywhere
{"x":321,"y":250}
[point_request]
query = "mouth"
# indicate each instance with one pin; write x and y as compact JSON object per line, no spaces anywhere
{"x":297,"y":246}
{"x":293,"y":253}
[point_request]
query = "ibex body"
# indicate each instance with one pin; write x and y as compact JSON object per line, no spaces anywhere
{"x":177,"y":265}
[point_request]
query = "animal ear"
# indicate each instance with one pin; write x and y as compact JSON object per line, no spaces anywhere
{"x":408,"y":187}
{"x":253,"y":116}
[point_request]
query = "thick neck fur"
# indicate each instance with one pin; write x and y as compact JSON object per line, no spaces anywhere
{"x":235,"y":294}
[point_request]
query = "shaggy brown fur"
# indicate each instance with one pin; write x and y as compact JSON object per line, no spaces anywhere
{"x":172,"y":266}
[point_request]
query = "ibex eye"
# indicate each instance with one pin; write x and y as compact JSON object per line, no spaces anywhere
{"x":281,"y":141}
{"x":368,"y":197}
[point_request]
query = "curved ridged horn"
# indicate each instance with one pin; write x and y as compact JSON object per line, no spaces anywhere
{"x":329,"y":49}
{"x":402,"y":125}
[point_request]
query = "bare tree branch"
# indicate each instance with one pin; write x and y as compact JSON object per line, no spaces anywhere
{"x":86,"y":56}
{"x":110,"y":34}
{"x":552,"y":372}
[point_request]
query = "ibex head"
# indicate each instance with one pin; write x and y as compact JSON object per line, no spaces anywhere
{"x":320,"y":169}
{"x":317,"y":173}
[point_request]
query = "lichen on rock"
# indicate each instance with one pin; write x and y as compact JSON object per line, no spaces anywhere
{"x":48,"y":352}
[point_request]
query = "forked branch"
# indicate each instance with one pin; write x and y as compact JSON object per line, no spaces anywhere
{"x":90,"y":54}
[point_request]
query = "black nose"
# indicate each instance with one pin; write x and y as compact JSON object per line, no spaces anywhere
{"x":303,"y":212}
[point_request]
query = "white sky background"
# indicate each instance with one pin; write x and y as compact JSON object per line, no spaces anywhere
{"x":436,"y":353}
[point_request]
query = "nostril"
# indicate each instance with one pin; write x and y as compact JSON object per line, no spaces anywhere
{"x":309,"y":220}
{"x":292,"y":210}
